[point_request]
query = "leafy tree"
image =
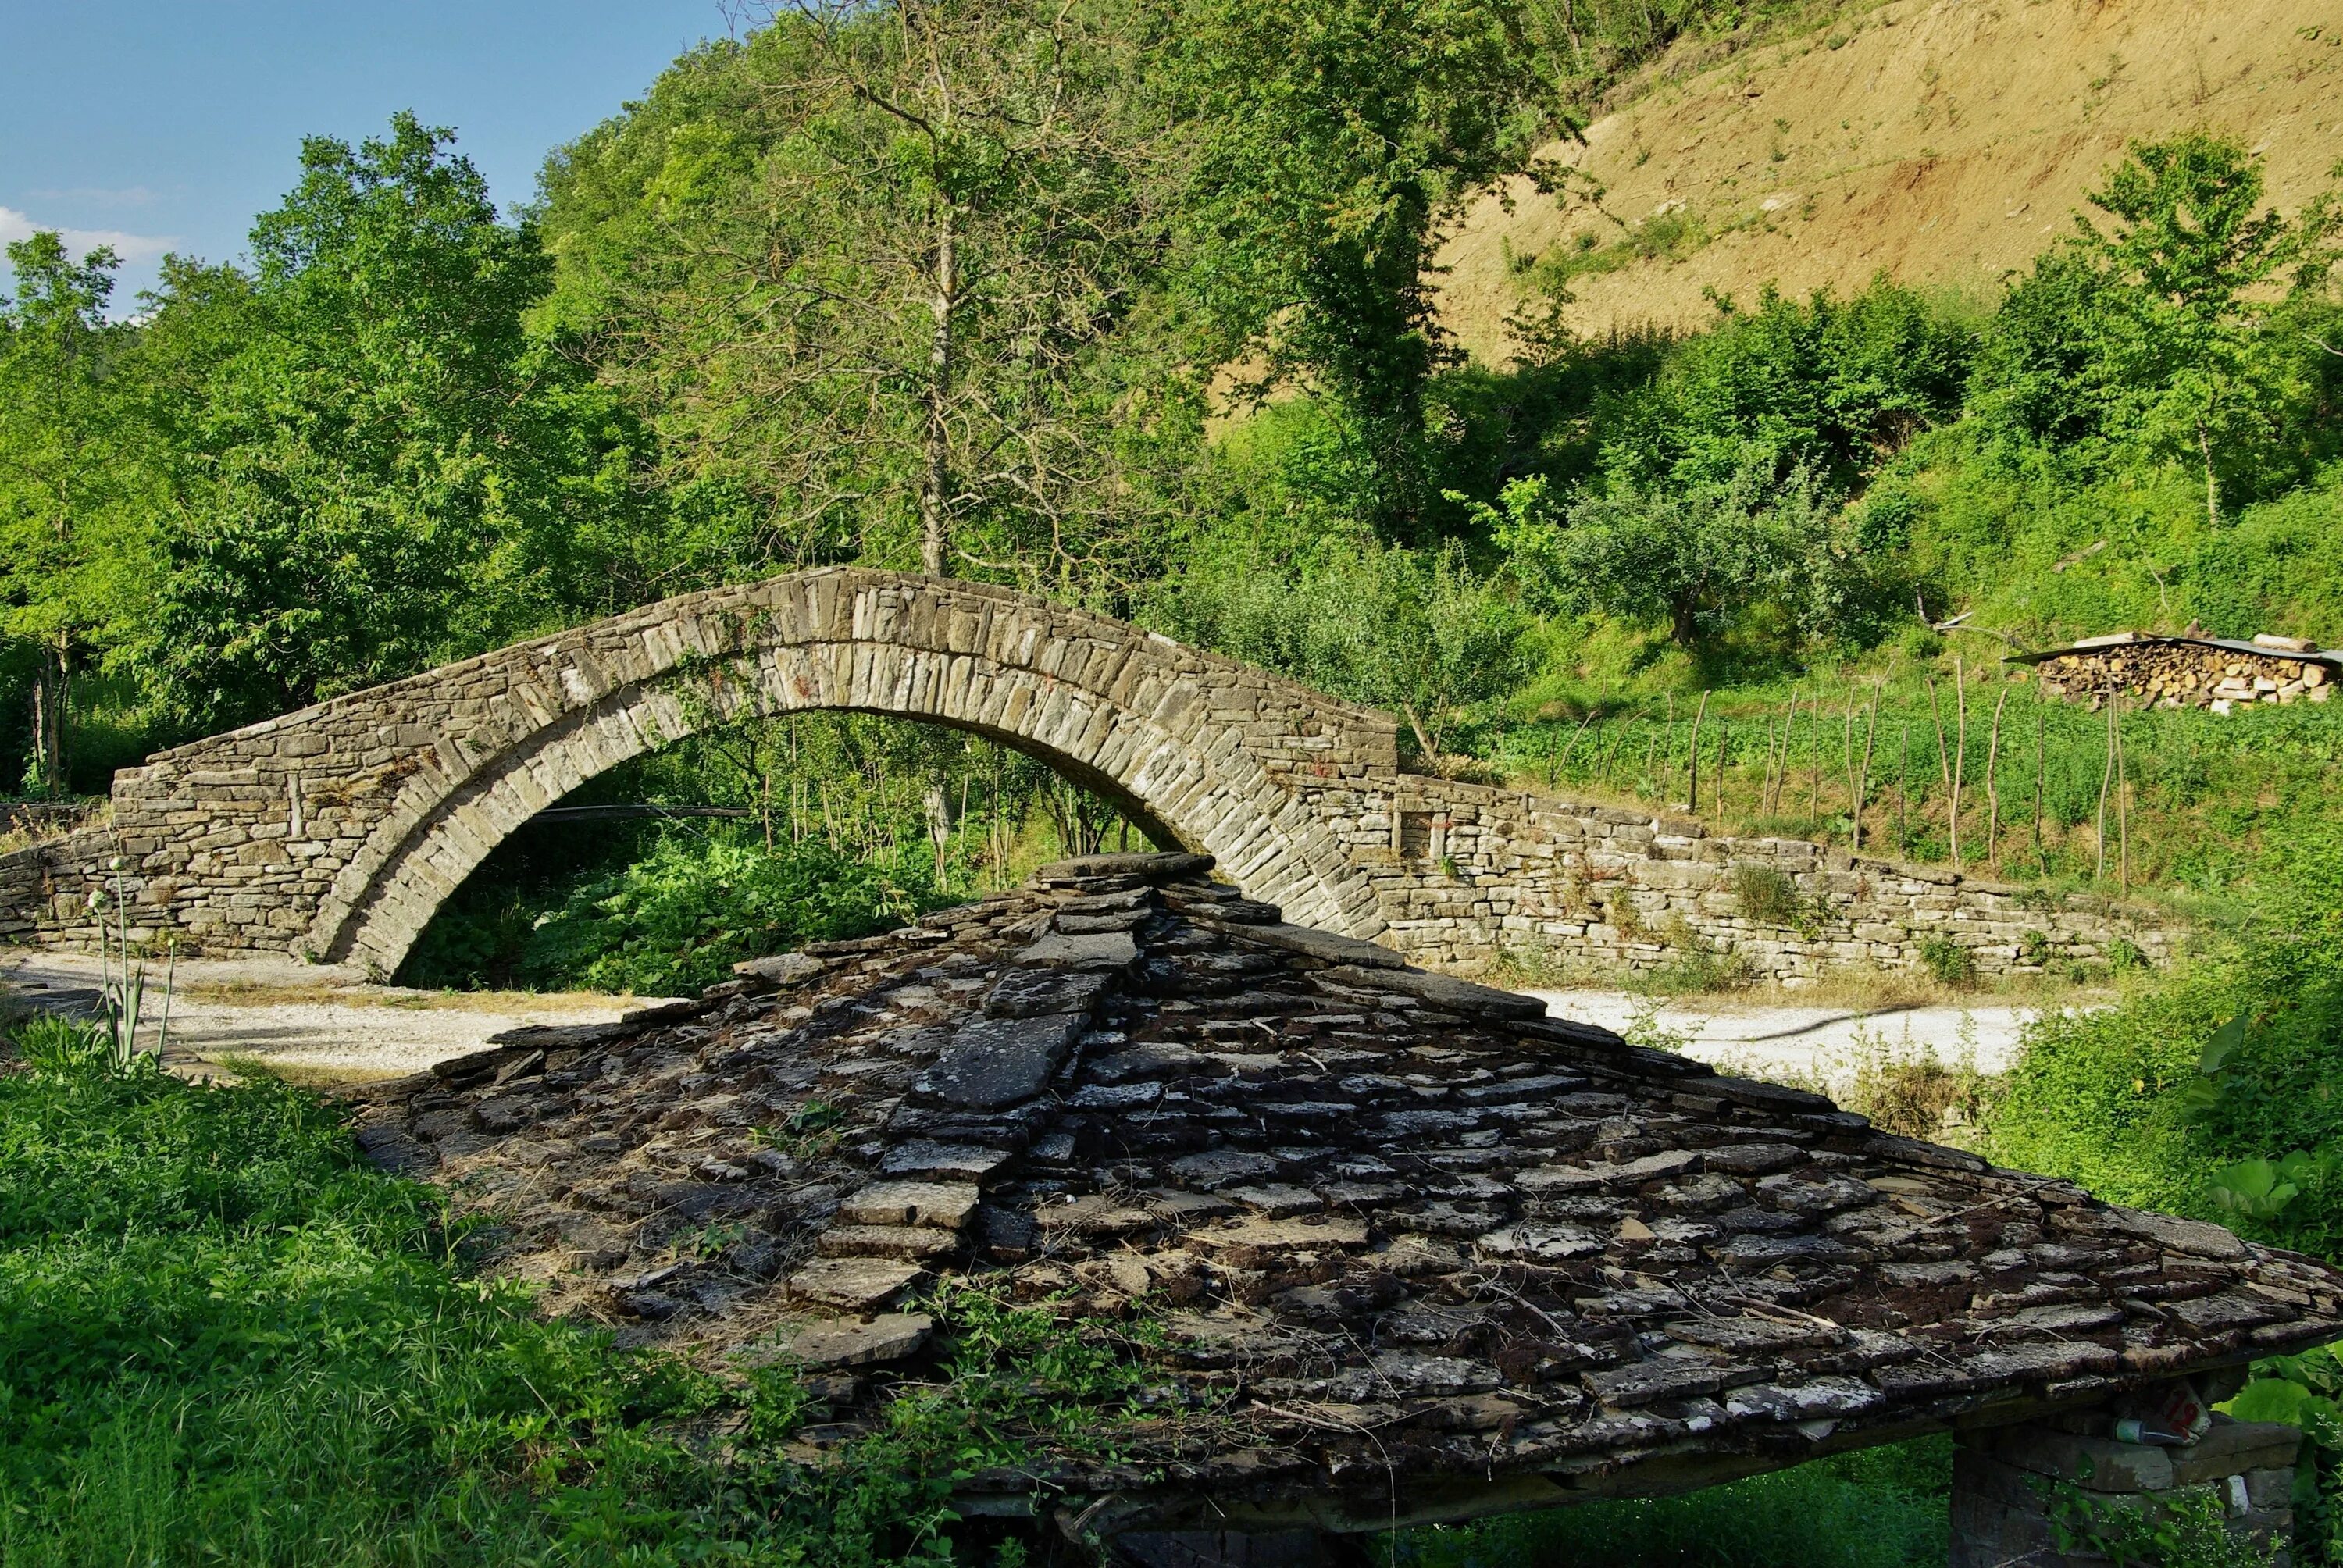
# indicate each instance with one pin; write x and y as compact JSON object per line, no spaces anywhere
{"x":2151,"y":335}
{"x":1420,"y":632}
{"x":869,"y":268}
{"x":1331,"y":141}
{"x":1704,"y":558}
{"x":1831,"y":386}
{"x":73,"y":546}
{"x":376,"y":470}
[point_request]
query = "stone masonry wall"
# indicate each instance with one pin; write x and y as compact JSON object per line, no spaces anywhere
{"x":337,"y":831}
{"x":1466,"y":875}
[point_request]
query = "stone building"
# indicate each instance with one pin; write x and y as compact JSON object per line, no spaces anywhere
{"x":1413,"y":1250}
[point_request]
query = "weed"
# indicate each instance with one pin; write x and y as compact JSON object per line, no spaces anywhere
{"x":1768,"y":894}
{"x":1952,"y":964}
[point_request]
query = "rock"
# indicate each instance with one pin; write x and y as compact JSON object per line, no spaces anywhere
{"x":1036,"y":992}
{"x":932,"y":1203}
{"x":905,"y":1241}
{"x":781,"y":971}
{"x":1440,"y":991}
{"x":1102,"y":951}
{"x":924,"y":1156}
{"x":997,"y":1061}
{"x":1153,"y":868}
{"x":1312,"y":942}
{"x":858,"y":1285}
{"x":1541,"y":1242}
{"x":852,"y":1342}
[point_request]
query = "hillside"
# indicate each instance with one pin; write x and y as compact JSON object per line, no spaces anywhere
{"x":1943,"y":143}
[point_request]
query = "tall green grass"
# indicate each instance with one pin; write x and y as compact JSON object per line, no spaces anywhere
{"x":225,"y":1339}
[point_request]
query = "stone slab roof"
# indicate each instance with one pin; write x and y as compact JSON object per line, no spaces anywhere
{"x":1414,"y":1248}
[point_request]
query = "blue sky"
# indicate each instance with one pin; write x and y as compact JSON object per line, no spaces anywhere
{"x":154,"y":126}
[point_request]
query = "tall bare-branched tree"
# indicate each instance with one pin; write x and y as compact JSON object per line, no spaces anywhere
{"x":883,"y":291}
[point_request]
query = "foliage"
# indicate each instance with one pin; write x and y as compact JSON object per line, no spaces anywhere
{"x":1880,"y":1508}
{"x":374,"y":469}
{"x":224,"y":1338}
{"x":75,"y":549}
{"x":2215,"y":1091}
{"x":1422,"y":632}
{"x":2152,"y":338}
{"x":868,"y":271}
{"x":1704,"y":560}
{"x":1333,"y":138}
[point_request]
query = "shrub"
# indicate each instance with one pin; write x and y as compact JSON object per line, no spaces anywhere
{"x":1769,"y":894}
{"x":1951,"y":963}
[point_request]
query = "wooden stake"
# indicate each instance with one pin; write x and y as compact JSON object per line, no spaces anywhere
{"x":2106,"y":781}
{"x":1814,"y":763}
{"x":1903,"y":791}
{"x":2123,"y":805}
{"x":1993,"y":788}
{"x":1960,"y":748}
{"x":1943,"y":752}
{"x":1863,"y":777}
{"x":1552,"y":770}
{"x":2041,"y":856}
{"x":1691,"y":786}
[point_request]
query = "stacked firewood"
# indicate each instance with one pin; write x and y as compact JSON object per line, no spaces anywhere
{"x":2181,"y":672}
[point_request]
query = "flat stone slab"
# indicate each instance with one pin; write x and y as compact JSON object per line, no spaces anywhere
{"x":851,"y":1342}
{"x":781,"y":970}
{"x":1037,"y":992}
{"x":858,"y":1285}
{"x":1166,"y":868}
{"x":1313,"y":944}
{"x":1440,"y":991}
{"x":925,"y":1157}
{"x":1101,"y":951}
{"x":936,"y":1204}
{"x":997,"y":1061}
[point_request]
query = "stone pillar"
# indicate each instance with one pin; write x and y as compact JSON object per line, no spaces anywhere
{"x":2005,"y":1479}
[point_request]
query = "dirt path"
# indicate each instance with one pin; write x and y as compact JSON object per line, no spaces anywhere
{"x":318,"y":1023}
{"x":1819,"y":1043}
{"x":312,"y":1022}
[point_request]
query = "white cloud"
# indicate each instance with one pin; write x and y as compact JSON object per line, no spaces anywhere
{"x":16,"y":226}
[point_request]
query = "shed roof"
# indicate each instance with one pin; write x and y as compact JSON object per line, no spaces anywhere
{"x":1424,"y":1251}
{"x":2331,"y":657}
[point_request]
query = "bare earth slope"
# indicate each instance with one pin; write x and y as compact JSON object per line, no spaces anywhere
{"x":1943,"y":143}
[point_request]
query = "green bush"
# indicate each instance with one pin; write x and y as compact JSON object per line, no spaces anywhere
{"x":1949,"y":963}
{"x":1881,"y":1508}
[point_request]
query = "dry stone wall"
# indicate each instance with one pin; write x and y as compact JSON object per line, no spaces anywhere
{"x":1465,"y":877}
{"x":338,"y":831}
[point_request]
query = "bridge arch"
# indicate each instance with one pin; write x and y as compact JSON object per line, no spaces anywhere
{"x":340,"y":830}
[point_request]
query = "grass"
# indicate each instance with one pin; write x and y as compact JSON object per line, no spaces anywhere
{"x":224,"y":1338}
{"x":1881,"y":1508}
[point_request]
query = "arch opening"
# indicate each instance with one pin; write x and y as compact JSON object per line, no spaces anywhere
{"x":752,"y":837}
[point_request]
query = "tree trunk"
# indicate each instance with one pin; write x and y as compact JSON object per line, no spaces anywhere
{"x":49,"y":677}
{"x":2212,"y":486}
{"x":935,"y":479}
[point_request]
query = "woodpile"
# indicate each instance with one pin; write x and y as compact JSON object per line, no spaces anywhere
{"x":2190,"y":672}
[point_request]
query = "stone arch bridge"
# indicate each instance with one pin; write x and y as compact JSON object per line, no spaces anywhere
{"x":335,"y":832}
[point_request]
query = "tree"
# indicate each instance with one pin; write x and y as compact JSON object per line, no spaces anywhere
{"x":375,"y":468}
{"x":2150,"y":336}
{"x":870,"y":267}
{"x":1333,"y":140}
{"x":72,"y":523}
{"x":1701,"y":557}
